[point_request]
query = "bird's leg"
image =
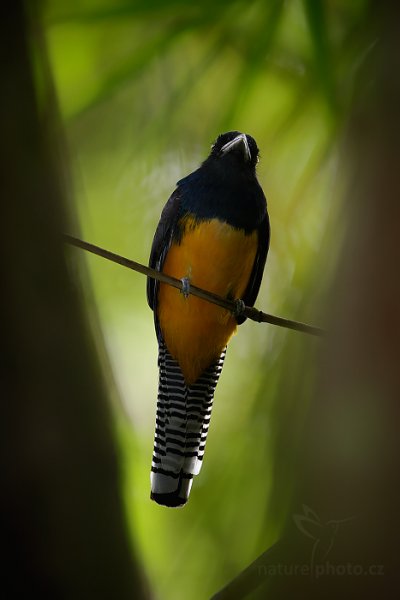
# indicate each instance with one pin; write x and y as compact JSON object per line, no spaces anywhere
{"x":185,"y":289}
{"x":239,"y":307}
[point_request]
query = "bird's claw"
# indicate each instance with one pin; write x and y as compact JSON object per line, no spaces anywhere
{"x":239,"y":307}
{"x":185,"y":289}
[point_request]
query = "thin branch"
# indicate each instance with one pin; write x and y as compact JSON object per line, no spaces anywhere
{"x":251,"y":313}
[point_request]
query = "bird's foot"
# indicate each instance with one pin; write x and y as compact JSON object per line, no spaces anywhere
{"x":185,"y":289}
{"x":239,"y":307}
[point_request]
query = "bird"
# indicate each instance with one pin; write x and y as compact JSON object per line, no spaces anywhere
{"x":214,"y":233}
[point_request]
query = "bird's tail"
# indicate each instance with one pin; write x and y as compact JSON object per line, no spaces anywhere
{"x":182,"y":421}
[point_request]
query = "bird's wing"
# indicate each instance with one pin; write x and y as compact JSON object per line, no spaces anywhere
{"x":250,"y":294}
{"x":165,"y":232}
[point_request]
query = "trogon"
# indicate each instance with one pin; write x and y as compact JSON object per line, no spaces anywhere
{"x":213,"y":233}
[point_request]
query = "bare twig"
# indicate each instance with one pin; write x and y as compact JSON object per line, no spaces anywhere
{"x":249,"y":312}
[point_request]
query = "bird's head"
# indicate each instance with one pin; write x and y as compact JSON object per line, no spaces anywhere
{"x":235,"y":148}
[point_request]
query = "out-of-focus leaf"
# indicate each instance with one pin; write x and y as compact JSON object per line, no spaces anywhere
{"x":317,"y":23}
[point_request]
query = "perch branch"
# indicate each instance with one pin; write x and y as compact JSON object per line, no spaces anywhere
{"x":251,"y":313}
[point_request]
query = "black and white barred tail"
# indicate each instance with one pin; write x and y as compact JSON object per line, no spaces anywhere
{"x":182,"y":421}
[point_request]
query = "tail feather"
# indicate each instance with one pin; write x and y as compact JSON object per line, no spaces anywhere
{"x":183,"y":418}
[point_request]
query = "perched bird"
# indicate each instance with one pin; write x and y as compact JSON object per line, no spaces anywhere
{"x":214,"y":233}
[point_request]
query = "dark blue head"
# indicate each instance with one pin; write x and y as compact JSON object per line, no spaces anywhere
{"x":226,"y":186}
{"x":236,"y":149}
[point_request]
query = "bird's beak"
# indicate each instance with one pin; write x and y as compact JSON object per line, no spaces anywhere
{"x":238,"y":141}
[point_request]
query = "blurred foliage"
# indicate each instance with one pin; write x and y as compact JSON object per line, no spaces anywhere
{"x":144,"y":87}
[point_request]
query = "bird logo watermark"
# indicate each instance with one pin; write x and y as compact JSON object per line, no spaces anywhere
{"x":323,"y":533}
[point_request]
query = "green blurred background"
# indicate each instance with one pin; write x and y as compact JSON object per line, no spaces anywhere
{"x":144,"y":87}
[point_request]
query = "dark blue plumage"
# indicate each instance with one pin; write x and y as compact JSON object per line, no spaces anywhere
{"x":222,"y":195}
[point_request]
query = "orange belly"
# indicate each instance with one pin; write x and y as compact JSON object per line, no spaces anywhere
{"x":217,"y":258}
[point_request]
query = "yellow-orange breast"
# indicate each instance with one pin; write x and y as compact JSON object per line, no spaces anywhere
{"x":217,"y":258}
